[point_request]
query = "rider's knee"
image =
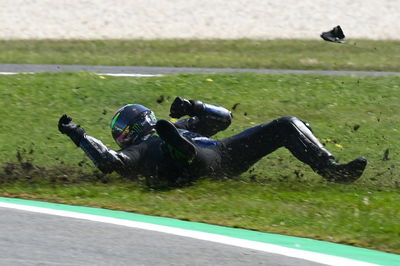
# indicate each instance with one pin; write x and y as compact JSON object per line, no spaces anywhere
{"x":287,"y":120}
{"x":292,"y":121}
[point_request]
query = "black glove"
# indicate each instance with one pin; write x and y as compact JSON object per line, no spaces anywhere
{"x":181,"y":107}
{"x":72,"y":130}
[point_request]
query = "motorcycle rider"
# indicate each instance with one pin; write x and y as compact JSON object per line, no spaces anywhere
{"x":181,"y":152}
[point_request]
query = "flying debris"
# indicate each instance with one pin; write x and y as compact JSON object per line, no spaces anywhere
{"x":334,"y":35}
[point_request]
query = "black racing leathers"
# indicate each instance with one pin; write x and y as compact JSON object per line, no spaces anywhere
{"x":152,"y":159}
{"x":231,"y":156}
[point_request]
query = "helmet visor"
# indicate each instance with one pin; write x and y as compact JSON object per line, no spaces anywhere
{"x":121,"y":130}
{"x":126,"y":132}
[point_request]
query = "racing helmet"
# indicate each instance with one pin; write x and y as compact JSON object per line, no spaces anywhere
{"x":131,"y":124}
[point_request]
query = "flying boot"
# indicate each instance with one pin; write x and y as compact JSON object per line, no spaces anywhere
{"x":334,"y":35}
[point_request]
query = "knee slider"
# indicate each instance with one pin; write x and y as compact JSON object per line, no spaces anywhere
{"x":288,"y":120}
{"x":299,"y":127}
{"x":294,"y":121}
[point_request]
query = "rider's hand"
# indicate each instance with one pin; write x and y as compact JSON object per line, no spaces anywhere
{"x":180,"y":107}
{"x":69,"y":128}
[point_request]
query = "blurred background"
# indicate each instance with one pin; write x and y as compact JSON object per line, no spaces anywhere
{"x":234,"y":19}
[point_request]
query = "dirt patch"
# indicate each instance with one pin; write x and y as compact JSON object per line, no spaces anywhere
{"x":24,"y":170}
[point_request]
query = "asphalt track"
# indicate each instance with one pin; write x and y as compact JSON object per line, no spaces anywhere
{"x":42,"y":233}
{"x":141,"y":70}
{"x":42,"y":239}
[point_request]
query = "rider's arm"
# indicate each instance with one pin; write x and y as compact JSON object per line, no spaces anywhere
{"x":205,"y":119}
{"x":105,"y":159}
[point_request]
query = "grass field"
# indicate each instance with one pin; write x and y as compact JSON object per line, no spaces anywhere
{"x":351,"y":115}
{"x":276,"y":54}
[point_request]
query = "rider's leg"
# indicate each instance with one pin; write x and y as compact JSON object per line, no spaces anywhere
{"x":251,"y":145}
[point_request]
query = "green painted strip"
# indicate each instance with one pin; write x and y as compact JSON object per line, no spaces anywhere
{"x":350,"y":252}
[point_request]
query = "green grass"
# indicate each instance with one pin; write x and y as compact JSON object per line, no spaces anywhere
{"x":352,"y":115}
{"x":276,"y":54}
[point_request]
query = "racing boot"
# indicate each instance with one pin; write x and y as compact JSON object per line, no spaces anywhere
{"x":307,"y":148}
{"x":343,"y":173}
{"x":179,"y":148}
{"x":334,"y":35}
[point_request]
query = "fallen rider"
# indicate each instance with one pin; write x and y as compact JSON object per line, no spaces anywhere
{"x":180,"y":153}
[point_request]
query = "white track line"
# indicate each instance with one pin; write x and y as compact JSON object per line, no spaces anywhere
{"x":129,"y":75}
{"x":14,"y":73}
{"x":270,"y":248}
{"x":100,"y":74}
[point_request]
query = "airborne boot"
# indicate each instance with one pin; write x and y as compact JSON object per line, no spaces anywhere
{"x":343,"y":173}
{"x":334,"y":35}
